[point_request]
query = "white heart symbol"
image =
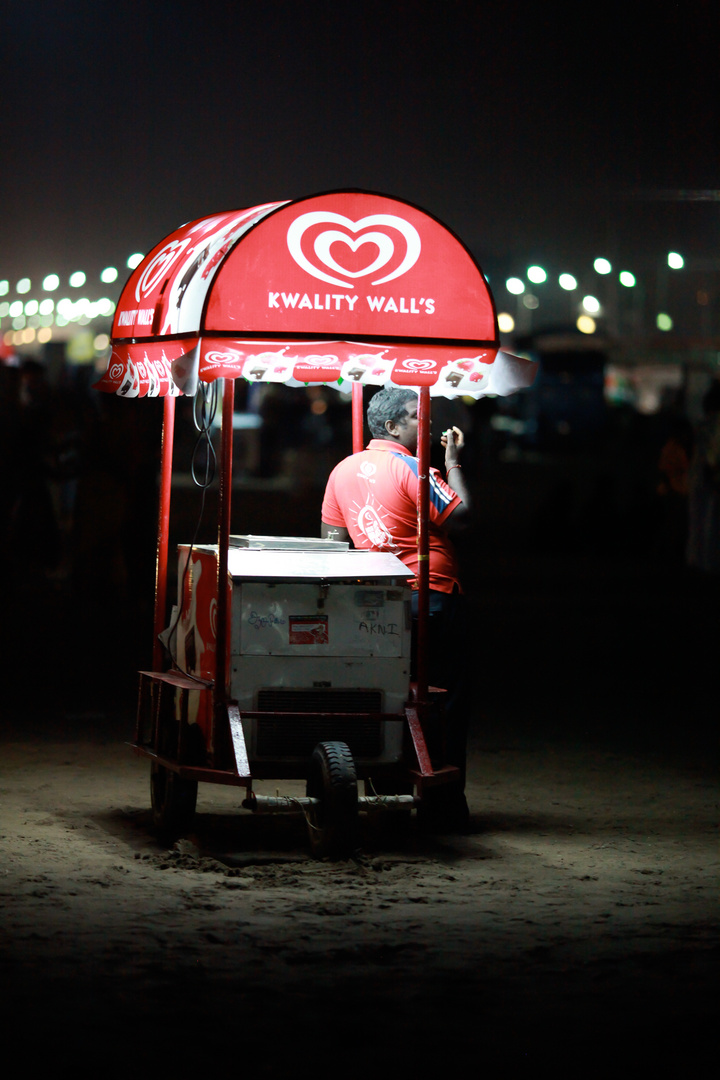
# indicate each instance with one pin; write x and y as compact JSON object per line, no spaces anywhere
{"x":325,"y":239}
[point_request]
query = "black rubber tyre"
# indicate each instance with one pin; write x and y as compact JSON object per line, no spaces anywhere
{"x":333,"y":823}
{"x":173,"y":803}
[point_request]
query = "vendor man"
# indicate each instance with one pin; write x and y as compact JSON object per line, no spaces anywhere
{"x":371,"y":499}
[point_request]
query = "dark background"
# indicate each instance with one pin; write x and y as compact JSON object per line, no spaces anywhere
{"x":534,"y":131}
{"x":530,"y":129}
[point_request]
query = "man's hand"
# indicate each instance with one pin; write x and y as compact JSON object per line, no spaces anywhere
{"x":453,"y":441}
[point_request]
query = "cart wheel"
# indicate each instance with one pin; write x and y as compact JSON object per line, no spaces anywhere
{"x":333,"y":823}
{"x":173,"y":802}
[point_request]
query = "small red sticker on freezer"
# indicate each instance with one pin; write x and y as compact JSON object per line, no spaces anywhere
{"x":308,"y":629}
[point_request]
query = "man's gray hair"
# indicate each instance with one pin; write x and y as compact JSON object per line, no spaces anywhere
{"x":387,"y":404}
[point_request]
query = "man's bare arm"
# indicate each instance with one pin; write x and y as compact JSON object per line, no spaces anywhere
{"x":453,"y":440}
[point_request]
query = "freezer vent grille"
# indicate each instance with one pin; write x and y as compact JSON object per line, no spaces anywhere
{"x":290,"y":736}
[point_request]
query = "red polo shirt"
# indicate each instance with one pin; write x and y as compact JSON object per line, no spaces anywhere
{"x":373,"y":495}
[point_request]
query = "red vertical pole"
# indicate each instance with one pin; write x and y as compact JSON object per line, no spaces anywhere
{"x":226,"y":451}
{"x":163,"y":529}
{"x":423,"y":515}
{"x":357,"y":418}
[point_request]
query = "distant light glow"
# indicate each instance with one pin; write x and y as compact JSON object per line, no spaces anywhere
{"x":4,"y":309}
{"x":536,"y":274}
{"x":664,"y":322}
{"x":530,"y":301}
{"x":506,"y":323}
{"x":44,"y":335}
{"x":109,"y":275}
{"x":675,"y":261}
{"x":31,"y":307}
{"x":515,"y":286}
{"x":627,"y":279}
{"x":101,"y":342}
{"x":4,"y":288}
{"x":586,"y":325}
{"x":602,"y":266}
{"x":18,"y":322}
{"x":591,"y":304}
{"x":135,"y":260}
{"x":23,"y":285}
{"x":567,"y":282}
{"x":78,"y":279}
{"x":47,"y":307}
{"x":16,"y":308}
{"x":51,"y":282}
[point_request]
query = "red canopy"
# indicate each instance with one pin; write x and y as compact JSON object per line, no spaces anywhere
{"x":342,"y":288}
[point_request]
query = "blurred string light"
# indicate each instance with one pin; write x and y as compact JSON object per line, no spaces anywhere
{"x":78,"y":279}
{"x":24,"y":285}
{"x":586,"y":324}
{"x":135,"y":260}
{"x":31,"y":307}
{"x":506,"y":323}
{"x":627,"y":279}
{"x":536,"y":274}
{"x":591,"y":304}
{"x":602,"y":266}
{"x":664,"y":322}
{"x":47,"y":306}
{"x":567,"y":282}
{"x":4,"y":287}
{"x":51,"y":282}
{"x":16,"y":308}
{"x":109,"y":275}
{"x":515,"y":286}
{"x":675,"y":261}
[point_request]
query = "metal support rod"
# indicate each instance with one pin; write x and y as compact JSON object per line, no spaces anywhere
{"x":224,"y":510}
{"x":423,"y":542}
{"x":357,"y":418}
{"x":163,"y":528}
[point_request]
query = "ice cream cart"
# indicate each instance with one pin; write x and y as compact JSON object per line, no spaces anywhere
{"x":285,"y":657}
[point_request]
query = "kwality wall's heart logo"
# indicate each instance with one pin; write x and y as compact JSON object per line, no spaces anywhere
{"x":327,"y":245}
{"x":158,"y":266}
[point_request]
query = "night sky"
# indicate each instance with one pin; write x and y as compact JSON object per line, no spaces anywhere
{"x":536,"y":130}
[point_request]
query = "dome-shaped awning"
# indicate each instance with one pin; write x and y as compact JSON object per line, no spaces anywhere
{"x":337,"y":288}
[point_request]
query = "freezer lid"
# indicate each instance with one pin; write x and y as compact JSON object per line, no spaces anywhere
{"x":251,"y":564}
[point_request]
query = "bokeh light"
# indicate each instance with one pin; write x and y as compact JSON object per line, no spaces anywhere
{"x":78,"y":279}
{"x":627,"y":279}
{"x":675,"y":261}
{"x":602,"y":266}
{"x":506,"y":323}
{"x":515,"y":286}
{"x":51,"y":282}
{"x":567,"y":282}
{"x":536,"y":274}
{"x":586,"y":324}
{"x":109,"y":275}
{"x":135,"y":260}
{"x":591,"y":304}
{"x":664,"y":322}
{"x":23,"y":285}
